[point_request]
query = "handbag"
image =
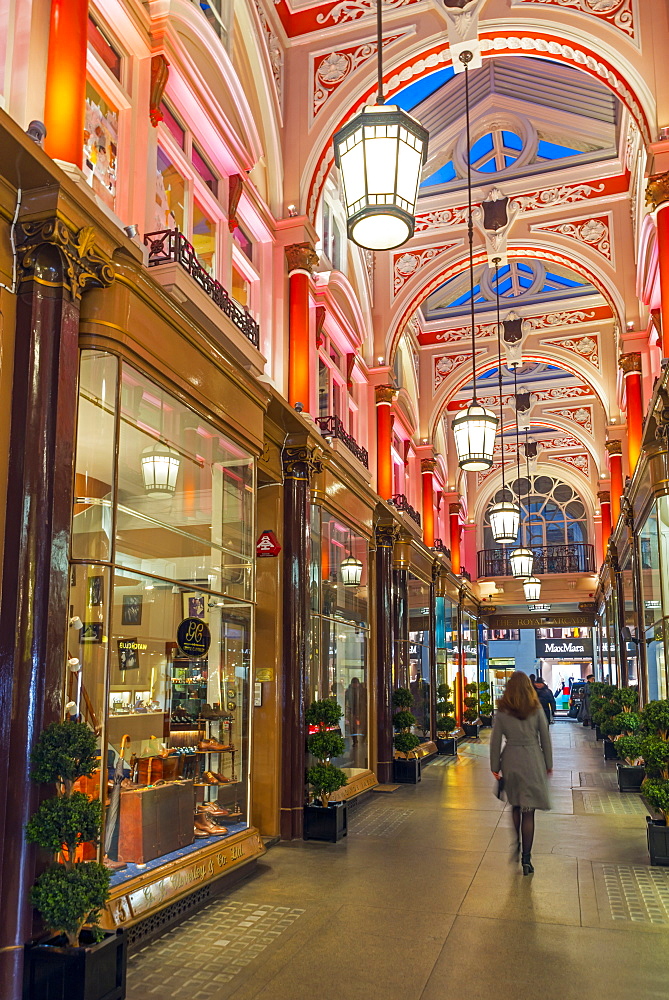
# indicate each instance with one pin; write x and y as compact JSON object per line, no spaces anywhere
{"x":499,"y":788}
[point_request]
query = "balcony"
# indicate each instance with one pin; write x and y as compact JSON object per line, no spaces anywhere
{"x":401,"y":503}
{"x":440,"y":547}
{"x":169,"y":246}
{"x":332,"y":427}
{"x":575,"y":558}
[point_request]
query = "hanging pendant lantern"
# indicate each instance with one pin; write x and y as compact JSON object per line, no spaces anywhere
{"x":160,"y":468}
{"x":474,"y":432}
{"x":532,"y":588}
{"x":522,"y":562}
{"x":380,"y":154}
{"x":505,"y":521}
{"x":351,"y":571}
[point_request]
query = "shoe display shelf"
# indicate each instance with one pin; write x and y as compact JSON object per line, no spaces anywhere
{"x":216,"y":780}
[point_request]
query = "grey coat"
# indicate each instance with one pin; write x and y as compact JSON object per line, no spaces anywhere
{"x":526,"y":757}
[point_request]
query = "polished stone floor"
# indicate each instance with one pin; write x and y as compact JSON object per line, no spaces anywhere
{"x":421,"y":902}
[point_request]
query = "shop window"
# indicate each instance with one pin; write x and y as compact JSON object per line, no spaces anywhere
{"x":244,"y":242}
{"x":182,"y":519}
{"x":170,"y":195}
{"x":105,"y":49}
{"x":204,"y":239}
{"x":240,"y":287}
{"x":100,"y":145}
{"x":333,"y":238}
{"x":204,"y":170}
{"x":323,"y":389}
{"x":174,"y":126}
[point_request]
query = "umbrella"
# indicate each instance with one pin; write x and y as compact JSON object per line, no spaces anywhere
{"x":111,"y":836}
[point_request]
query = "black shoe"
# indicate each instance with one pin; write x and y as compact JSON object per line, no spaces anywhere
{"x":527,"y":865}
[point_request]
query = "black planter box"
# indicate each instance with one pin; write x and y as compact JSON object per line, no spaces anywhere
{"x":486,"y":720}
{"x":92,"y":972}
{"x":598,"y":733}
{"x":657,"y":835}
{"x":609,"y":750}
{"x":447,"y":747}
{"x":630,"y":777}
{"x":593,"y":725}
{"x":329,"y":824}
{"x":406,"y":772}
{"x":471,"y":730}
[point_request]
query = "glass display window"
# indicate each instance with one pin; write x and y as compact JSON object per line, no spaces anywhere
{"x":653,"y":573}
{"x":100,"y":145}
{"x":418,"y":647}
{"x":170,"y":195}
{"x":160,"y":645}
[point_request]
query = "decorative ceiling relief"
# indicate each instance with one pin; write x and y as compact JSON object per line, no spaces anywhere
{"x":406,"y":264}
{"x":595,"y":232}
{"x":579,"y":462}
{"x":619,"y":13}
{"x":274,"y":51}
{"x":554,"y":197}
{"x":586,"y":347}
{"x":353,"y":10}
{"x":581,"y":415}
{"x":561,"y":392}
{"x":482,"y":331}
{"x":561,"y":442}
{"x":531,"y":324}
{"x":444,"y":364}
{"x":330,"y":68}
{"x":441,"y":218}
{"x":482,"y":476}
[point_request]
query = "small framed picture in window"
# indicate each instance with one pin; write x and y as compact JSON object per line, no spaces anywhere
{"x":91,"y":632}
{"x":131,"y":613}
{"x":195,"y":605}
{"x":95,"y":591}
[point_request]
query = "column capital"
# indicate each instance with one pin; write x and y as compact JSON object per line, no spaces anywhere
{"x":301,"y":257}
{"x":302,"y":462}
{"x":614,"y":447}
{"x":630,"y":364}
{"x":657,"y":189}
{"x":83,"y":265}
{"x":604,"y":496}
{"x":454,"y":508}
{"x":387,"y":534}
{"x":384,"y":393}
{"x":428,"y":464}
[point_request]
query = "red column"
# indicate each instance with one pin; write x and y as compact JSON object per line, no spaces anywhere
{"x":384,"y":465}
{"x":631,"y":366}
{"x":302,"y":258}
{"x":615,"y":450}
{"x":66,"y":80}
{"x":662,"y":223}
{"x":605,"y":505}
{"x":454,"y":517}
{"x":427,"y":467}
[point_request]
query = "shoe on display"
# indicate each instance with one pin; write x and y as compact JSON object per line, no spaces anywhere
{"x":211,"y":809}
{"x":209,"y":828}
{"x":209,"y":778}
{"x":113,"y":866}
{"x":213,"y":746}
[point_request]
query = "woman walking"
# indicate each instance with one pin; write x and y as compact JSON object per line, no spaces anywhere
{"x":525,"y":760}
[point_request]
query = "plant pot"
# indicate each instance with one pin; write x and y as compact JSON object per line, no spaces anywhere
{"x":91,"y":972}
{"x":593,"y":725}
{"x":630,"y":777}
{"x":486,"y":720}
{"x":598,"y":733}
{"x":447,"y":746}
{"x":657,"y":835}
{"x":609,"y":750}
{"x":406,"y":772}
{"x":329,"y":824}
{"x":471,"y":730}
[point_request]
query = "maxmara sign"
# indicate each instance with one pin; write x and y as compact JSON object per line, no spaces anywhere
{"x":564,"y":649}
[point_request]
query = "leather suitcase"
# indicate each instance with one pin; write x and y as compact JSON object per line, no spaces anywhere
{"x":155,"y":820}
{"x":150,"y":769}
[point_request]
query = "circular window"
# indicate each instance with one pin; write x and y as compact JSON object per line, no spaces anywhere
{"x":552,"y":512}
{"x":498,"y":144}
{"x":517,"y":278}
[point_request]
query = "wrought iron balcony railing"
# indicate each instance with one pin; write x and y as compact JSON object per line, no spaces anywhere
{"x":170,"y":245}
{"x":401,"y":502}
{"x":334,"y":428}
{"x":440,"y":547}
{"x":575,"y":558}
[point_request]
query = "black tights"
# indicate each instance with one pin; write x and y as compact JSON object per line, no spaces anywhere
{"x":524,"y":825}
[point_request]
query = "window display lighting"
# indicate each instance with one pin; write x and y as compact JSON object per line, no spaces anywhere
{"x":380,"y":154}
{"x":351,"y":571}
{"x":474,"y":430}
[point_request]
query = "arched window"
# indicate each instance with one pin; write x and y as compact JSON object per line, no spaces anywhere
{"x":553,"y":513}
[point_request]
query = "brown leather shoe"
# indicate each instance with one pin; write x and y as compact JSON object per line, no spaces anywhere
{"x":211,"y":809}
{"x":209,"y":828}
{"x":213,"y":746}
{"x":210,"y":778}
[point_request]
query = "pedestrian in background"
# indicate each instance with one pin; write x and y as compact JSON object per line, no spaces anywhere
{"x":524,"y":760}
{"x":584,"y":710}
{"x":546,"y":698}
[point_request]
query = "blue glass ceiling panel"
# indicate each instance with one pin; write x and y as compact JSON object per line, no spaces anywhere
{"x":416,"y":92}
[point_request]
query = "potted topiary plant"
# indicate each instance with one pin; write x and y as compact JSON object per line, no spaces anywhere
{"x":406,"y":766}
{"x":631,"y":770}
{"x":621,"y":717}
{"x":76,"y":959}
{"x":485,"y":704}
{"x":655,"y":726}
{"x":446,"y":743}
{"x":325,"y":820}
{"x":601,"y":707}
{"x":471,"y":712}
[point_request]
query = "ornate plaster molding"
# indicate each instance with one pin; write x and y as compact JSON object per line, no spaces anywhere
{"x":630,"y":364}
{"x":614,"y":447}
{"x":302,"y":462}
{"x":618,"y":13}
{"x":586,"y":347}
{"x":353,"y":10}
{"x":84,"y":266}
{"x":428,"y":464}
{"x":604,"y":496}
{"x":330,"y":68}
{"x":579,"y":462}
{"x":594,"y":232}
{"x":580,"y":415}
{"x":384,"y":393}
{"x":274,"y":50}
{"x":657,"y":189}
{"x":406,"y":264}
{"x":445,"y":364}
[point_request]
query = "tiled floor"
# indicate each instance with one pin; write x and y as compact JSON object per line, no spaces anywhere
{"x":421,"y":902}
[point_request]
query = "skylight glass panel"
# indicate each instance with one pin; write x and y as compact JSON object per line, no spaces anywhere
{"x":441,"y":176}
{"x":416,"y":92}
{"x":553,"y":151}
{"x":512,"y":141}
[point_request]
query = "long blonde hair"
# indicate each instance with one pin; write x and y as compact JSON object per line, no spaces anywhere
{"x":520,"y":698}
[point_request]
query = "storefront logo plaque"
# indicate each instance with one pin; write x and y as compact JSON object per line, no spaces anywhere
{"x":193,"y":637}
{"x":267,"y":545}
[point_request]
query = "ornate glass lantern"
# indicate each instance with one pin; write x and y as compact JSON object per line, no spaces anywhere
{"x":160,"y":468}
{"x":532,"y":588}
{"x":351,"y":571}
{"x":474,"y":431}
{"x":522,"y":562}
{"x":505,"y":521}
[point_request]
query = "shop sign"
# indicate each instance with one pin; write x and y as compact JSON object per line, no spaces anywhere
{"x":575,"y":619}
{"x":267,"y":545}
{"x":264,"y":673}
{"x":564,"y":649}
{"x":193,"y":637}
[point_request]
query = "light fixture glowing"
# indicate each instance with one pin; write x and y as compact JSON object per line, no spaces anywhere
{"x":505,"y":521}
{"x":351,"y":571}
{"x":474,"y":431}
{"x":522,"y":562}
{"x":160,"y":468}
{"x":532,"y":588}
